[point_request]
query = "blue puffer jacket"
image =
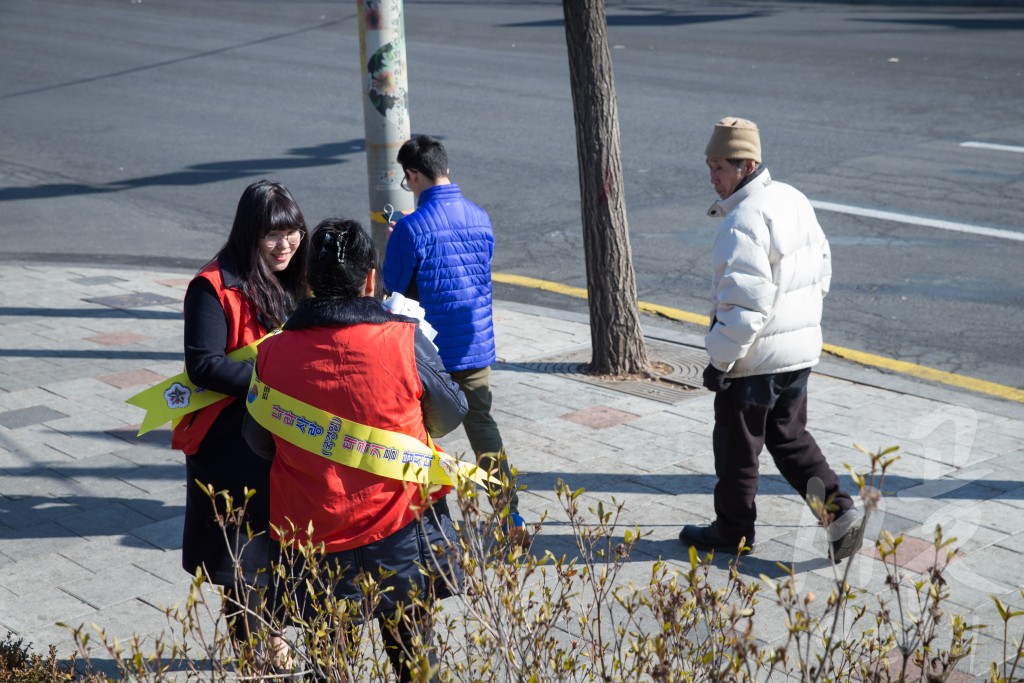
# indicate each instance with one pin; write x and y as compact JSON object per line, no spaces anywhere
{"x":440,"y":255}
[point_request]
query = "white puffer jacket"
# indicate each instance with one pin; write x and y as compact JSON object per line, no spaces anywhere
{"x":772,"y":268}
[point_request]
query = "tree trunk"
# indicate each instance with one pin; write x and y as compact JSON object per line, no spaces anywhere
{"x":615,"y":333}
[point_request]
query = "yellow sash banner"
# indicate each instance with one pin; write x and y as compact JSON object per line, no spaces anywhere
{"x":176,"y":397}
{"x":378,"y":451}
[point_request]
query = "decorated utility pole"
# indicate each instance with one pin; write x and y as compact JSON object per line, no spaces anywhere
{"x":385,"y":109}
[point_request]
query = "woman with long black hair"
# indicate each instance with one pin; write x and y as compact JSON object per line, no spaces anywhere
{"x":248,"y":289}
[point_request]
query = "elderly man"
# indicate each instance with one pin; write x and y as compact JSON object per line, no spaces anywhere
{"x":771,"y":270}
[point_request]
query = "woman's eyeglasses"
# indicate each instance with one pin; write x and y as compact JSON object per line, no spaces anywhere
{"x":272,"y":239}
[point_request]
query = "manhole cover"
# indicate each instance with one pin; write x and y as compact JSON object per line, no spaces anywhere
{"x":685,"y":364}
{"x":679,"y":371}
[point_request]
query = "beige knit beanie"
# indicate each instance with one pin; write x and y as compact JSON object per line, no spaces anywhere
{"x":735,"y":139}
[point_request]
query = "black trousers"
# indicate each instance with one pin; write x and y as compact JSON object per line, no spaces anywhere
{"x":765,"y":411}
{"x":225,"y":460}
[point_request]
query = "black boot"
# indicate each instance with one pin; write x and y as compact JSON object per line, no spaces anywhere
{"x":710,"y":537}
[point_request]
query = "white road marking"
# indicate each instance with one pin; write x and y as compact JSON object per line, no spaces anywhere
{"x":992,"y":145}
{"x":918,"y":220}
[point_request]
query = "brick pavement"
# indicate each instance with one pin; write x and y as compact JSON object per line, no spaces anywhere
{"x":90,"y":515}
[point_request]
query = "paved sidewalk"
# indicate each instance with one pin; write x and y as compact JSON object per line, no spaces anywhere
{"x":90,"y":516}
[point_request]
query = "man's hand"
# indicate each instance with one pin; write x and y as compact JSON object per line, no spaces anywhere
{"x":714,"y":379}
{"x":389,"y":214}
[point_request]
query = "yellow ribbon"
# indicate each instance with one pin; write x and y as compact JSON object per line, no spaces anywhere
{"x":378,"y":451}
{"x":175,"y":397}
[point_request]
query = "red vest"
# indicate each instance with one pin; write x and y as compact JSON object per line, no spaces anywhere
{"x":243,"y":329}
{"x":365,"y":373}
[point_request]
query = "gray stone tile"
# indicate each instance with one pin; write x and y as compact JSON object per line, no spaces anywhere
{"x":1007,"y":426}
{"x":1012,"y":499}
{"x":151,"y":454}
{"x":155,"y":478}
{"x":22,"y":417}
{"x":44,"y":539}
{"x":915,"y":470}
{"x":705,"y":467}
{"x":106,"y":588}
{"x":996,"y":515}
{"x":104,"y":520}
{"x":987,"y":648}
{"x":40,"y":482}
{"x":961,"y":525}
{"x":25,"y":512}
{"x":77,"y":389}
{"x":44,"y":608}
{"x":25,"y":438}
{"x":657,"y":461}
{"x":626,"y":438}
{"x":997,"y":443}
{"x":102,"y":474}
{"x":160,"y":437}
{"x":24,"y":398}
{"x":123,"y":620}
{"x":51,"y":634}
{"x":92,"y":280}
{"x":1015,"y":543}
{"x":987,"y":571}
{"x":973,"y":491}
{"x":26,"y":577}
{"x":165,"y":564}
{"x":92,"y":422}
{"x":132,"y":300}
{"x":165,"y":534}
{"x":174,"y":595}
{"x":784,"y":511}
{"x":99,"y":554}
{"x":946,"y":492}
{"x":885,"y":519}
{"x":17,"y":455}
{"x":84,"y":445}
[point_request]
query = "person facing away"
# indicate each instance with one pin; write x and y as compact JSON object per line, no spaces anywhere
{"x":341,"y":352}
{"x":771,"y":268}
{"x":249,"y":288}
{"x":440,"y":255}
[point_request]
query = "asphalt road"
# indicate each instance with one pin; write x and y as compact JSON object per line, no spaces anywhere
{"x":128,"y":130}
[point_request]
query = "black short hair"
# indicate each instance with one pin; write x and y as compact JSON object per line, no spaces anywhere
{"x":426,"y":155}
{"x":341,"y":254}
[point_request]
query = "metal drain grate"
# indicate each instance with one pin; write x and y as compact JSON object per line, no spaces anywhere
{"x":686,"y":363}
{"x":679,"y":370}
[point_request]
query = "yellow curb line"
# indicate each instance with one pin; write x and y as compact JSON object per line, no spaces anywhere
{"x":923,"y":372}
{"x":902,"y":367}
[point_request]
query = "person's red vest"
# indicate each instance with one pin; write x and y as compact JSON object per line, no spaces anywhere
{"x":365,"y":373}
{"x":243,"y":329}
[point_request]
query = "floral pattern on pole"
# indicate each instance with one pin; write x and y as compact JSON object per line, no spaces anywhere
{"x":385,"y":108}
{"x":383,"y":67}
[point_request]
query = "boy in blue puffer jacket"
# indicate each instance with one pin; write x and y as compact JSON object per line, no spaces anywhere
{"x":440,"y":255}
